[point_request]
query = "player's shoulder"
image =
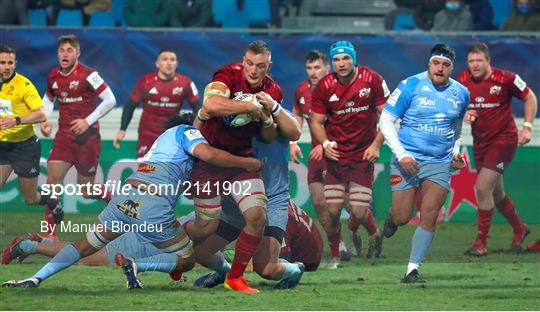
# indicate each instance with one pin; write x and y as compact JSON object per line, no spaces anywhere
{"x":234,"y":67}
{"x":464,"y":76}
{"x":303,"y":86}
{"x":83,"y":68}
{"x":182,"y":78}
{"x":368,"y":74}
{"x":21,"y":80}
{"x":328,"y":82}
{"x":502,"y":76}
{"x":53,"y":73}
{"x":271,"y":84}
{"x":410,"y":83}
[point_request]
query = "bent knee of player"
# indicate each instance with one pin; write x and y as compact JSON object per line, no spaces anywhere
{"x":255,"y":217}
{"x":401,"y":218}
{"x":266,"y":271}
{"x":184,"y":264}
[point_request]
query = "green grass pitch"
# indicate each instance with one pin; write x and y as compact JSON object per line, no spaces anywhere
{"x":499,"y":281}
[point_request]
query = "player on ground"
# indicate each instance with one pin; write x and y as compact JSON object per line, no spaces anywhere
{"x":496,"y":139}
{"x":162,"y":94}
{"x":431,"y":107}
{"x":148,"y":209}
{"x":247,"y":77}
{"x":275,"y":174}
{"x":344,"y":113}
{"x":20,"y":149}
{"x":76,"y":87}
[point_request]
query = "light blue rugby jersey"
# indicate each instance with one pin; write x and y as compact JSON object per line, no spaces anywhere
{"x":169,"y":161}
{"x":275,"y":166}
{"x":428,"y":114}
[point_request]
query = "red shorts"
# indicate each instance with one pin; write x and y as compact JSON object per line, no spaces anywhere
{"x":495,"y":156}
{"x":208,"y":179}
{"x":316,"y":171}
{"x":144,"y":144}
{"x":342,"y":173}
{"x":309,"y":253}
{"x":82,"y":151}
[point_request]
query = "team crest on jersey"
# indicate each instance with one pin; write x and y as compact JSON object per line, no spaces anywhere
{"x":74,"y":84}
{"x":454,"y":92}
{"x":496,"y":89}
{"x":130,"y":208}
{"x":349,"y":104}
{"x":145,"y":168}
{"x":177,"y":90}
{"x":479,"y":99}
{"x":364,"y":92}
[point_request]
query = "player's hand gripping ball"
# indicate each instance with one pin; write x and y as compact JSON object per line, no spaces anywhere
{"x":240,"y":120}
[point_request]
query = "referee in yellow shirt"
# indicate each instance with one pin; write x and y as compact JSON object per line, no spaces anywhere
{"x":20,"y":150}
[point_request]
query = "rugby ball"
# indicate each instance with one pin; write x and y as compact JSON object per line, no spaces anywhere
{"x":239,"y":120}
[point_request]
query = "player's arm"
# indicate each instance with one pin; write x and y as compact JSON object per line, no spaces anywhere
{"x":294,"y":149}
{"x":48,"y":106}
{"x":216,"y":102}
{"x":317,"y":122}
{"x":286,"y":123}
{"x":108,"y":101}
{"x":372,"y":153}
{"x":530,"y":108}
{"x":221,"y":158}
{"x":127,"y":115}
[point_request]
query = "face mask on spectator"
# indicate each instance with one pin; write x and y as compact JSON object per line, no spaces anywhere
{"x":523,"y":8}
{"x":452,"y":5}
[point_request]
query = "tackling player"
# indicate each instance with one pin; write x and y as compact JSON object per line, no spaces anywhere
{"x":344,"y":113}
{"x":496,"y":139}
{"x":76,"y":87}
{"x":162,"y":94}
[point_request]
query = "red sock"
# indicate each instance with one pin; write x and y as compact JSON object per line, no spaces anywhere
{"x":333,"y":241}
{"x":353,"y":224}
{"x":245,"y":248}
{"x":508,"y":210}
{"x":51,"y":228}
{"x":369,"y":223}
{"x":483,"y":224}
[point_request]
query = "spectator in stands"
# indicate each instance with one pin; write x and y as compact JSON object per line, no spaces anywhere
{"x":192,"y":13}
{"x":144,"y":13}
{"x":482,"y":14}
{"x":425,"y":12}
{"x":87,"y":7}
{"x":454,"y":17}
{"x":402,"y":18}
{"x":13,"y":12}
{"x":524,"y":17}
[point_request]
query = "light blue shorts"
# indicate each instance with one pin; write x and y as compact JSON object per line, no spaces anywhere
{"x":128,"y":245}
{"x":435,"y":172}
{"x":276,"y":212}
{"x":150,"y":217}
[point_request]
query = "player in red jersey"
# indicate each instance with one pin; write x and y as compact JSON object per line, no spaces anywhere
{"x":77,"y":143}
{"x":162,"y":94}
{"x":344,"y":113}
{"x":316,"y":68}
{"x":495,"y":139}
{"x":249,"y":76}
{"x":302,"y":241}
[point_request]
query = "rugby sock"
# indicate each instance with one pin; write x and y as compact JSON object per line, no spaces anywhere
{"x":353,"y":224}
{"x":245,"y":248}
{"x":420,"y":245}
{"x":291,"y":269}
{"x":333,"y":241}
{"x":483,"y":225}
{"x":64,"y":259}
{"x":411,"y":267}
{"x":47,"y":240}
{"x":51,"y":224}
{"x":508,"y":210}
{"x":369,"y":223}
{"x":163,"y":262}
{"x":28,"y":246}
{"x":221,"y":266}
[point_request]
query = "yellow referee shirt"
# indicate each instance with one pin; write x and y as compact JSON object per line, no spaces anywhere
{"x":18,"y":97}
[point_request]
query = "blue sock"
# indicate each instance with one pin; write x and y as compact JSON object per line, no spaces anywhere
{"x":64,"y":259}
{"x":46,"y":240}
{"x":163,"y":262}
{"x":291,"y":269}
{"x":222,"y":266}
{"x":28,"y":246}
{"x":420,"y":245}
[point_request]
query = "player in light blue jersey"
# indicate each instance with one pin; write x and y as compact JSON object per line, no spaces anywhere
{"x":148,"y":209}
{"x":275,"y":174}
{"x":431,"y":106}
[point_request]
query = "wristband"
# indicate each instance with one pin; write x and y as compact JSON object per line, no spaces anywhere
{"x":528,"y":125}
{"x":17,"y":120}
{"x":328,"y":142}
{"x":199,"y":116}
{"x":293,"y":142}
{"x":276,"y":107}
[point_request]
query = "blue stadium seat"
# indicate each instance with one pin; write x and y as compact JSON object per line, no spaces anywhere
{"x":501,"y":10}
{"x":118,"y":12}
{"x":70,"y":18}
{"x":102,"y":19}
{"x":37,"y":17}
{"x":222,"y":8}
{"x":235,"y":19}
{"x":258,"y":11}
